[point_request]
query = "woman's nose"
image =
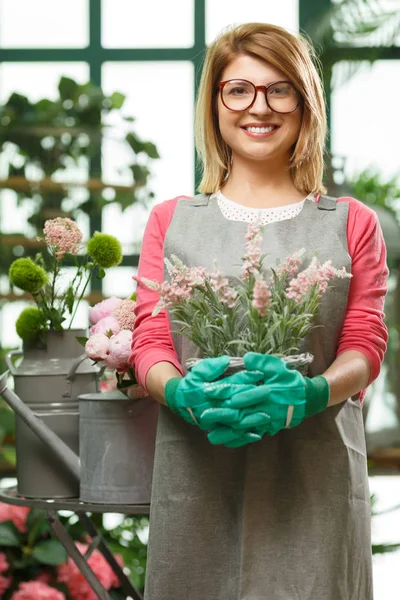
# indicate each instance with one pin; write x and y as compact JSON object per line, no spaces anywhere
{"x":260,"y":104}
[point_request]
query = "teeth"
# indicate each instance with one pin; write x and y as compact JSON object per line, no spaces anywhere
{"x":259,"y":129}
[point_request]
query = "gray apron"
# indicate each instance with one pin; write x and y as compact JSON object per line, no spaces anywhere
{"x":286,"y":518}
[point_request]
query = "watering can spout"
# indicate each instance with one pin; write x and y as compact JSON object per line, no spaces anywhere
{"x":44,"y":433}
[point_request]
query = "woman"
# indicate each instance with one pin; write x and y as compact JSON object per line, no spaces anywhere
{"x":287,"y":516}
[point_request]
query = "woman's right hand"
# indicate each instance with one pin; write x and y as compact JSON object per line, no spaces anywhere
{"x":190,"y":396}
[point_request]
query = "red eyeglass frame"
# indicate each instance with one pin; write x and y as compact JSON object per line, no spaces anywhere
{"x":259,"y":88}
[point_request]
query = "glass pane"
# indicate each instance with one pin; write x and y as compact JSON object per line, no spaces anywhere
{"x":44,"y":24}
{"x":362,"y":117}
{"x":223,"y":13}
{"x":165,"y":121}
{"x":38,"y":80}
{"x":150,"y":24}
{"x":8,"y":316}
{"x":118,"y":282}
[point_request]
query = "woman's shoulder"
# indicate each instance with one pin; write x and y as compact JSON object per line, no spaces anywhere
{"x":166,"y":208}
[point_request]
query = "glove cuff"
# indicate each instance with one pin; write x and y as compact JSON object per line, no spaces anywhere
{"x":170,"y":391}
{"x":317,"y":395}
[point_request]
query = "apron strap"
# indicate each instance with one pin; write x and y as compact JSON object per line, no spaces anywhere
{"x":327,"y":203}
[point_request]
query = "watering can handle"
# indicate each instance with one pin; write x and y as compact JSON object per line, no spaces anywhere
{"x":74,"y":367}
{"x":8,"y":358}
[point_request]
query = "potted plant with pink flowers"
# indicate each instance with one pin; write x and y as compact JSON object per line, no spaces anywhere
{"x":269,"y":311}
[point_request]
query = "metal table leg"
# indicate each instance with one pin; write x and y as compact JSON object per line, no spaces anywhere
{"x":76,"y":556}
{"x":126,"y":585}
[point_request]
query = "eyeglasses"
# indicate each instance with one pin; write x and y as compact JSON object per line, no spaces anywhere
{"x":240,"y":94}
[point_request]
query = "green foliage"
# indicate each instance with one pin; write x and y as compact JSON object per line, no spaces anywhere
{"x":7,"y":433}
{"x":105,"y":250}
{"x":27,"y":275}
{"x":30,"y":324}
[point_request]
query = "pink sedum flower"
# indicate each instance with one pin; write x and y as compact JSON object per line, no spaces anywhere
{"x":261,"y":297}
{"x":36,"y":590}
{"x":97,"y":346}
{"x":103,"y":309}
{"x":220,"y":285}
{"x":291,"y":265}
{"x":78,"y":587}
{"x":119,"y":350}
{"x":16,"y":514}
{"x":106,"y":325}
{"x":124,"y":314}
{"x":252,"y":258}
{"x":62,"y":235}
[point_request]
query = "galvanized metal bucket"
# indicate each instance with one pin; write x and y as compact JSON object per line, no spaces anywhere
{"x":117,"y":444}
{"x":49,"y":380}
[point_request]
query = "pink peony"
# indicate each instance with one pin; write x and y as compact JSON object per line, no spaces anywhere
{"x":124,"y":314}
{"x":36,"y":590}
{"x":62,"y":235}
{"x":5,"y":583}
{"x":103,"y":309}
{"x":119,"y":351}
{"x":16,"y":514}
{"x":105,"y":325}
{"x":77,"y":585}
{"x":97,"y":346}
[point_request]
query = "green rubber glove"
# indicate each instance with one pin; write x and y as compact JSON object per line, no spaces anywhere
{"x":188,"y":396}
{"x":284,"y":399}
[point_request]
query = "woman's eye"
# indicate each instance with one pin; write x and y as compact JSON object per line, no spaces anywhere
{"x":238,"y":91}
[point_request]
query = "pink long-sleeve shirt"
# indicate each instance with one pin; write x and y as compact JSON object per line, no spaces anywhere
{"x":363,"y":330}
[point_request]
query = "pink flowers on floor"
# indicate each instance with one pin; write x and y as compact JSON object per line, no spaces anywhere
{"x":16,"y":514}
{"x":36,"y":590}
{"x":78,"y":587}
{"x":5,"y":581}
{"x":62,"y":235}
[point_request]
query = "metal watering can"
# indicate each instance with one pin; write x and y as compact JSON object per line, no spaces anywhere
{"x":114,"y":435}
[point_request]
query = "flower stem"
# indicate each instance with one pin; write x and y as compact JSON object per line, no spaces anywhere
{"x":81,"y":296}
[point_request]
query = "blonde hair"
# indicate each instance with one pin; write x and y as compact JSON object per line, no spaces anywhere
{"x":295,"y":57}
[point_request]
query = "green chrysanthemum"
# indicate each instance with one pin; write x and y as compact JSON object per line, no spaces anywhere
{"x":105,"y":250}
{"x":30,"y":324}
{"x":27,"y":275}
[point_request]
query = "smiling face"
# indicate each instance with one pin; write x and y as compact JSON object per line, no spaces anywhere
{"x":258,"y":133}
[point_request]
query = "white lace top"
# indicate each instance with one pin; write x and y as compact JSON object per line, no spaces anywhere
{"x":237,"y":212}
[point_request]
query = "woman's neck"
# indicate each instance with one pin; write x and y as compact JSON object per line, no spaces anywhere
{"x":260,"y":185}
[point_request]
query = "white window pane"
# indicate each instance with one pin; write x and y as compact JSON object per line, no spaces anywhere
{"x":362,"y":118}
{"x":223,"y":13}
{"x":118,"y":282}
{"x":44,"y":24}
{"x":14,"y":218}
{"x":150,"y":24}
{"x":38,"y":80}
{"x":166,"y":119}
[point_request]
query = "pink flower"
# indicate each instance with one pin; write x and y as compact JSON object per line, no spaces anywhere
{"x":16,"y":514}
{"x":124,"y":314}
{"x":261,"y":297}
{"x":109,"y":383}
{"x":315,"y":276}
{"x":36,"y":590}
{"x":3,"y":563}
{"x":62,"y":235}
{"x":103,"y":309}
{"x":291,"y":265}
{"x":77,"y":585}
{"x":5,"y":583}
{"x":119,"y":351}
{"x":220,"y":285}
{"x":252,"y":258}
{"x":105,"y":325}
{"x":97,"y":346}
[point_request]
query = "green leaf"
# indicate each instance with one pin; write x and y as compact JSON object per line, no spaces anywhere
{"x":150,"y":150}
{"x":36,"y":525}
{"x":50,"y":552}
{"x":9,"y":534}
{"x":8,"y":453}
{"x":101,"y":274}
{"x":134,"y":142}
{"x":383,"y":548}
{"x":81,"y":339}
{"x":117,"y":100}
{"x":68,"y":88}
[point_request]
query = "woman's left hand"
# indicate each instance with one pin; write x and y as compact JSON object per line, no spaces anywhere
{"x":283,"y":400}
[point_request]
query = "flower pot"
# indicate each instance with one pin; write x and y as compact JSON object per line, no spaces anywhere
{"x":117,"y":444}
{"x":299,"y":362}
{"x":49,"y":380}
